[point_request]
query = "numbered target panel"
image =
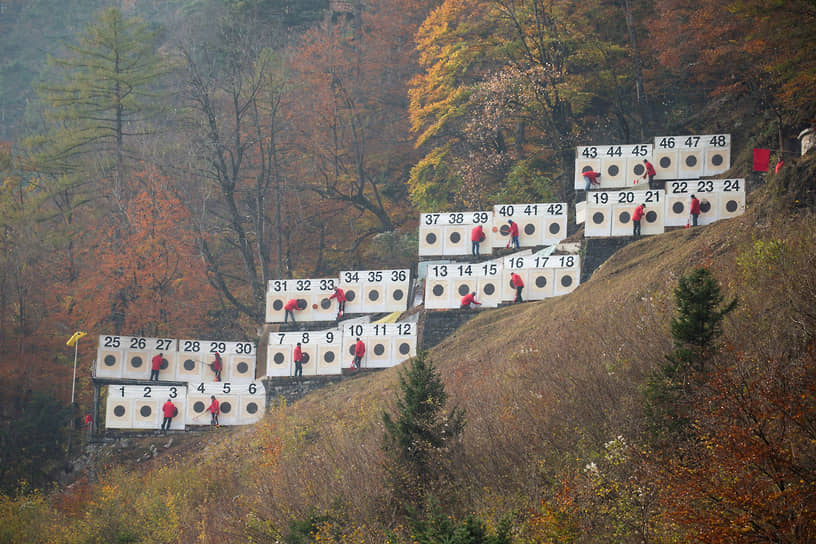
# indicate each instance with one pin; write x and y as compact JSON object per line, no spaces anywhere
{"x":446,"y":284}
{"x":719,"y":199}
{"x":449,"y":233}
{"x":691,"y":156}
{"x":375,"y":291}
{"x":609,"y":213}
{"x":386,"y":344}
{"x":131,"y":357}
{"x":619,"y":165}
{"x":320,"y":352}
{"x":542,"y":276}
{"x":196,"y":360}
{"x":311,"y":294}
{"x":140,"y":406}
{"x":238,"y":404}
{"x":539,"y":224}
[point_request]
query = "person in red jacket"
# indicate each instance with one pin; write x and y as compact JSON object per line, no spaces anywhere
{"x":340,"y":295}
{"x":518,"y":284}
{"x":469,"y":299}
{"x":214,"y":409}
{"x":169,"y":411}
{"x":637,"y":215}
{"x":155,"y":367}
{"x":650,"y":172}
{"x":695,"y":210}
{"x":297,"y":356}
{"x":590,"y":178}
{"x":217,"y":366}
{"x":290,"y":308}
{"x":514,"y":234}
{"x":359,"y":351}
{"x":477,"y":236}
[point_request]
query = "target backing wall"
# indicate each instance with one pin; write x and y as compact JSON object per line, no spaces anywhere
{"x":320,"y":350}
{"x":375,"y":291}
{"x":543,"y":276}
{"x":609,"y":213}
{"x":689,"y":157}
{"x":539,"y":224}
{"x":131,"y":357}
{"x":719,"y":199}
{"x":140,"y":406}
{"x":312,"y":295}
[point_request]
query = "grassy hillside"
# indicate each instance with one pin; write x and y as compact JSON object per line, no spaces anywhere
{"x":555,"y":433}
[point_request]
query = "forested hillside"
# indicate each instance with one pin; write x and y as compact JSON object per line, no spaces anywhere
{"x":163,"y":160}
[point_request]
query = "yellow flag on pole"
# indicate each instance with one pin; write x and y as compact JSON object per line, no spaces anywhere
{"x":75,"y":338}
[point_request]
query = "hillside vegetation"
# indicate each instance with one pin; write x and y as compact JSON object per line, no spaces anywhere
{"x":556,"y":428}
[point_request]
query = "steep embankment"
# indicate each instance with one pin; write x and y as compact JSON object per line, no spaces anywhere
{"x":545,"y":385}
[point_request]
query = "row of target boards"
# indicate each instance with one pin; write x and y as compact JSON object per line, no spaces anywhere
{"x":542,"y":276}
{"x":140,"y":406}
{"x":673,"y":158}
{"x":609,"y":213}
{"x":327,"y":352}
{"x":449,"y":233}
{"x":182,"y":360}
{"x":366,"y":291}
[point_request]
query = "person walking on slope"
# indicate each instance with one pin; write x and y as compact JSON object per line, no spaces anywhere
{"x":518,"y":284}
{"x":217,"y":366}
{"x":637,"y":215}
{"x":359,"y":351}
{"x":469,"y":299}
{"x":290,"y":308}
{"x":297,"y":356}
{"x":694,"y":210}
{"x":590,"y":178}
{"x":169,"y":411}
{"x":651,"y":173}
{"x":514,"y":234}
{"x":155,"y":366}
{"x":477,"y":236}
{"x":340,"y":295}
{"x":214,"y":409}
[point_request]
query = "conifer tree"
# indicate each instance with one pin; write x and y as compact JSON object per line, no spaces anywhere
{"x":418,"y":440}
{"x":695,"y":329}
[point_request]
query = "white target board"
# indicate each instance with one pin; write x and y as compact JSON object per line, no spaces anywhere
{"x":719,"y":199}
{"x":446,"y":284}
{"x":387,"y":344}
{"x":140,"y":406}
{"x":691,"y":156}
{"x":449,"y":233}
{"x":239,"y":404}
{"x":312,"y":295}
{"x":375,"y":291}
{"x":544,"y":276}
{"x":131,"y":357}
{"x":617,"y":164}
{"x":609,"y":213}
{"x":196,"y":359}
{"x":539,"y":224}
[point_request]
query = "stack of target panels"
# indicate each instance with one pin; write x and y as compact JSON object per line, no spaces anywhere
{"x":187,"y":365}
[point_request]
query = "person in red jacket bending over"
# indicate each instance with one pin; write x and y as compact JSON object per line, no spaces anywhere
{"x":695,"y":210}
{"x":650,"y":172}
{"x":169,"y":412}
{"x":359,"y":351}
{"x":469,"y":299}
{"x":590,"y":178}
{"x":290,"y":308}
{"x":155,"y":367}
{"x":637,"y":215}
{"x":214,"y":409}
{"x":477,"y":235}
{"x":517,"y":283}
{"x":340,"y":295}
